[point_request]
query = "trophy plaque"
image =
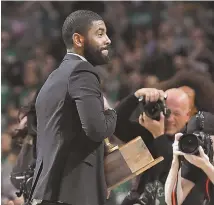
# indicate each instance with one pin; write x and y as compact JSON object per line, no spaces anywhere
{"x":126,"y":162}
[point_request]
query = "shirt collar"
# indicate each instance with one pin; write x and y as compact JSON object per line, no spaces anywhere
{"x":78,"y":56}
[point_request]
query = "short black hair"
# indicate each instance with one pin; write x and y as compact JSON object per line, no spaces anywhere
{"x":77,"y":22}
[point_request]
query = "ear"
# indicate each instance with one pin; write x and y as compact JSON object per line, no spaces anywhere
{"x":78,"y":40}
{"x":189,"y":115}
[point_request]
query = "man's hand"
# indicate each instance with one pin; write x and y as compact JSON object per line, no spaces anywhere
{"x":154,"y":126}
{"x":199,"y":161}
{"x":175,"y":147}
{"x":150,"y":94}
{"x":16,"y":201}
{"x":10,"y":203}
{"x":23,"y":123}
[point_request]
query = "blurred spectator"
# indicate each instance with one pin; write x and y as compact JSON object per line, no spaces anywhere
{"x":5,"y":146}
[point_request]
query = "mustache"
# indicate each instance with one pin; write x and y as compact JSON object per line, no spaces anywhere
{"x":105,"y":48}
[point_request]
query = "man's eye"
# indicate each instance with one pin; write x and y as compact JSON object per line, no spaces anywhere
{"x":100,"y":34}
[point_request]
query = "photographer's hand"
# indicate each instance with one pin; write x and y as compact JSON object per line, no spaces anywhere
{"x":175,"y":147}
{"x":23,"y":123}
{"x":199,"y":161}
{"x":150,"y":94}
{"x":154,"y":126}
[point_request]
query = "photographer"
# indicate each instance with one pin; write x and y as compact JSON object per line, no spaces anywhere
{"x":196,"y":171}
{"x":21,"y":175}
{"x":157,"y":135}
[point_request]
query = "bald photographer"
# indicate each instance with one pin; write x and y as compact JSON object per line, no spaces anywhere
{"x":157,"y":133}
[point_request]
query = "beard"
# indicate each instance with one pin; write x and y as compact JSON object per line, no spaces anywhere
{"x":94,"y":55}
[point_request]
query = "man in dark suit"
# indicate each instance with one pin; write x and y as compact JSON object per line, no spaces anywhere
{"x":73,"y":119}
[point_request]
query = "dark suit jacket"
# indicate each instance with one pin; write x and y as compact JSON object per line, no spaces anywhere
{"x":71,"y":127}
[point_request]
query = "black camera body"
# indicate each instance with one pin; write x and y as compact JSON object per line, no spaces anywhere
{"x":189,"y":143}
{"x":26,"y":179}
{"x":153,"y":109}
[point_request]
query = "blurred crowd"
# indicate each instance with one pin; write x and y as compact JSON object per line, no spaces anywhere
{"x":154,"y":44}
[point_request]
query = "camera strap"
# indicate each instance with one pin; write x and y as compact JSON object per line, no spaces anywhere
{"x":174,"y":194}
{"x":174,"y":191}
{"x":207,"y":189}
{"x":200,"y":122}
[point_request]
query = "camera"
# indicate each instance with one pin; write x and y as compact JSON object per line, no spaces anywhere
{"x":189,"y":143}
{"x":153,"y":109}
{"x":26,"y":179}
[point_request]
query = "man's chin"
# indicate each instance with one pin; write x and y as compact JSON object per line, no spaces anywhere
{"x":170,"y":132}
{"x":106,"y":58}
{"x":103,"y":60}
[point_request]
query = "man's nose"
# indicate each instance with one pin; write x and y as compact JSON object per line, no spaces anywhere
{"x":108,"y":41}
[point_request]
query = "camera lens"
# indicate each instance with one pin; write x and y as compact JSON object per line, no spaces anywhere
{"x":189,"y":143}
{"x":153,"y":110}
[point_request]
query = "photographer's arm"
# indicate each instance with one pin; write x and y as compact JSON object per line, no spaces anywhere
{"x":195,"y":175}
{"x":126,"y":129}
{"x":209,"y":171}
{"x":126,"y":107}
{"x":171,"y":180}
{"x":184,"y":186}
{"x":202,"y":162}
{"x":195,"y":169}
{"x":162,"y":145}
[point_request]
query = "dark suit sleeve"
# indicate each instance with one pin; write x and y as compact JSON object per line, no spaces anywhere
{"x":84,"y":89}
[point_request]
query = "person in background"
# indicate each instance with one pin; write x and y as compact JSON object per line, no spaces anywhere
{"x":157,"y":135}
{"x":195,"y":170}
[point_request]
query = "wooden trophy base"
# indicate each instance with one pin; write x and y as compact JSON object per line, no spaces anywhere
{"x":128,"y":161}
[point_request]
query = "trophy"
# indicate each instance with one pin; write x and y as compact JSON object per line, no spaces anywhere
{"x":127,"y":161}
